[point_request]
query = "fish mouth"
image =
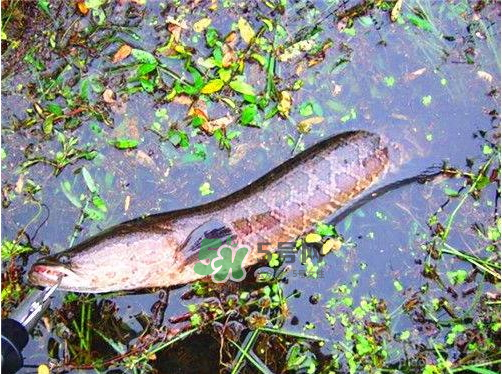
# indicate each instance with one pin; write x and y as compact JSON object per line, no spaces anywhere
{"x":48,"y":273}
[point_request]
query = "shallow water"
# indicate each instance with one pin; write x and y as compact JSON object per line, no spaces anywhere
{"x":384,"y":87}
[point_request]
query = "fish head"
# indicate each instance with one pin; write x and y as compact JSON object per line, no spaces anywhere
{"x":51,"y":270}
{"x":114,"y":264}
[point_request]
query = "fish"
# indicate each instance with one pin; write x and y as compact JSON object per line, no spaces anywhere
{"x":161,"y":250}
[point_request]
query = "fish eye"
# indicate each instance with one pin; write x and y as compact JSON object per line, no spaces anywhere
{"x":64,"y":259}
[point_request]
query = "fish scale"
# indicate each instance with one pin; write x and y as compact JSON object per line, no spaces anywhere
{"x":161,"y":250}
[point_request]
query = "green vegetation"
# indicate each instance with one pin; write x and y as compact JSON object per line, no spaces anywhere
{"x":115,"y":110}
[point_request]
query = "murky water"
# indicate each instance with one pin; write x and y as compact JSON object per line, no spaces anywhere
{"x":428,"y":92}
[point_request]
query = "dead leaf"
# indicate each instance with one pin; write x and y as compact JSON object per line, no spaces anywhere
{"x":109,"y":96}
{"x":305,"y":125}
{"x":231,"y":39}
{"x":175,"y":30}
{"x":127,"y":202}
{"x":485,"y":76}
{"x":337,"y":90}
{"x":182,"y":99}
{"x":399,"y":116}
{"x":144,"y":159}
{"x":19,"y":184}
{"x":229,"y":56}
{"x":123,"y":52}
{"x":211,"y":126}
{"x":82,"y":8}
{"x":414,"y":75}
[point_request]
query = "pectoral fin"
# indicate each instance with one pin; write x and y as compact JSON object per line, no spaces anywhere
{"x":210,"y":235}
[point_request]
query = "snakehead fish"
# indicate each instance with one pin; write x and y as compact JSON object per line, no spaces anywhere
{"x":161,"y":250}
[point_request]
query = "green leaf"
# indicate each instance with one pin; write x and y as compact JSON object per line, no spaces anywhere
{"x":143,"y":56}
{"x":144,"y":69}
{"x":389,"y":81}
{"x":326,"y":230}
{"x":479,"y":370}
{"x":211,"y":37}
{"x":427,"y":100}
{"x":242,"y":87}
{"x":44,"y":5}
{"x":94,"y":214}
{"x":99,"y":203}
{"x":94,"y":4}
{"x":451,"y":192}
{"x":398,"y":286}
{"x":11,"y":249}
{"x":89,"y":181}
{"x":198,"y":80}
{"x":55,"y":109}
{"x":48,"y":125}
{"x":66,"y":188}
{"x":457,"y":277}
{"x":212,"y":86}
{"x":125,"y":143}
{"x":85,"y":85}
{"x":205,"y":189}
{"x":419,"y":22}
{"x":246,"y":30}
{"x":248,"y":114}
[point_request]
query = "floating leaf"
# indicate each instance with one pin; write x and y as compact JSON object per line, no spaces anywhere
{"x":144,"y":69}
{"x":143,"y":56}
{"x":451,"y":192}
{"x":419,"y":22}
{"x":89,"y":181}
{"x":398,"y":286}
{"x":202,"y":24}
{"x":123,"y":52}
{"x":457,"y":277}
{"x":246,"y":30}
{"x":241,"y":87}
{"x":94,"y":4}
{"x":66,"y":188}
{"x":396,"y":11}
{"x":285,"y":103}
{"x":55,"y":109}
{"x":94,"y":214}
{"x":205,"y":189}
{"x":48,"y":125}
{"x":99,"y":203}
{"x":125,"y":143}
{"x":211,"y":37}
{"x":305,"y":125}
{"x":427,"y":100}
{"x":82,"y":8}
{"x":212,"y":86}
{"x":248,"y":114}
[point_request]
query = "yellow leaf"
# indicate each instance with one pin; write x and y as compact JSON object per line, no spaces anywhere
{"x":202,"y":24}
{"x":313,"y":238}
{"x":396,"y":11}
{"x":285,"y":103}
{"x":212,"y":86}
{"x":331,"y":245}
{"x":122,"y":53}
{"x":43,"y":369}
{"x":247,"y":32}
{"x":305,"y":125}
